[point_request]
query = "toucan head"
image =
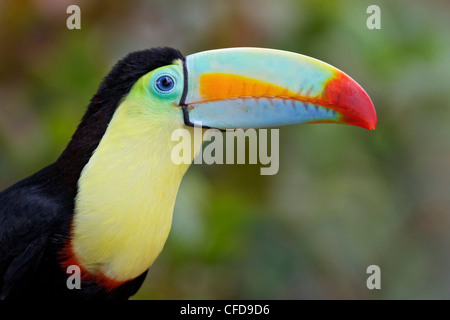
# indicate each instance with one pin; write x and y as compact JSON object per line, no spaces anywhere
{"x":223,"y":89}
{"x":254,"y":88}
{"x":241,"y":88}
{"x":226,"y":89}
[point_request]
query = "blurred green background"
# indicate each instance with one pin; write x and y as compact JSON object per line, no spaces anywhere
{"x":343,"y":199}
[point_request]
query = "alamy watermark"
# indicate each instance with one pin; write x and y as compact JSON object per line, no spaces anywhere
{"x":74,"y":20}
{"x":74,"y":279}
{"x":231,"y":140}
{"x":374,"y":280}
{"x":374,"y":20}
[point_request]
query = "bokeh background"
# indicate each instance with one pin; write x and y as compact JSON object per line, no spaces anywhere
{"x":344,"y":198}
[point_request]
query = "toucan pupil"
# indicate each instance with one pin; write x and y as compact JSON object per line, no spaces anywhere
{"x":165,"y":83}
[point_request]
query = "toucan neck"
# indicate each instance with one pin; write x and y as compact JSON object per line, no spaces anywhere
{"x":84,"y":142}
{"x":126,"y":194}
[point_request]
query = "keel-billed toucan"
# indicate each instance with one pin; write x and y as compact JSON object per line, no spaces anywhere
{"x":105,"y":205}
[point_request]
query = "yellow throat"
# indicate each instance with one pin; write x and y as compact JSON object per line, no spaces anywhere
{"x":126,"y":193}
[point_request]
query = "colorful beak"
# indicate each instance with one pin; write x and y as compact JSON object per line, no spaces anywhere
{"x":255,"y":88}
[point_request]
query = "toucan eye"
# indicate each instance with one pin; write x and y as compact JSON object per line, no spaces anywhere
{"x":165,"y":83}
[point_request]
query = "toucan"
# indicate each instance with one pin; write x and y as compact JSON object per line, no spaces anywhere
{"x":105,"y":205}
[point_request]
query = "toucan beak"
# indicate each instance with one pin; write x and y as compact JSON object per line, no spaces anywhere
{"x":254,"y":88}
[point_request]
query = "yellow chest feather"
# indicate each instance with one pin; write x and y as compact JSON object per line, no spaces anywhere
{"x":126,"y":196}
